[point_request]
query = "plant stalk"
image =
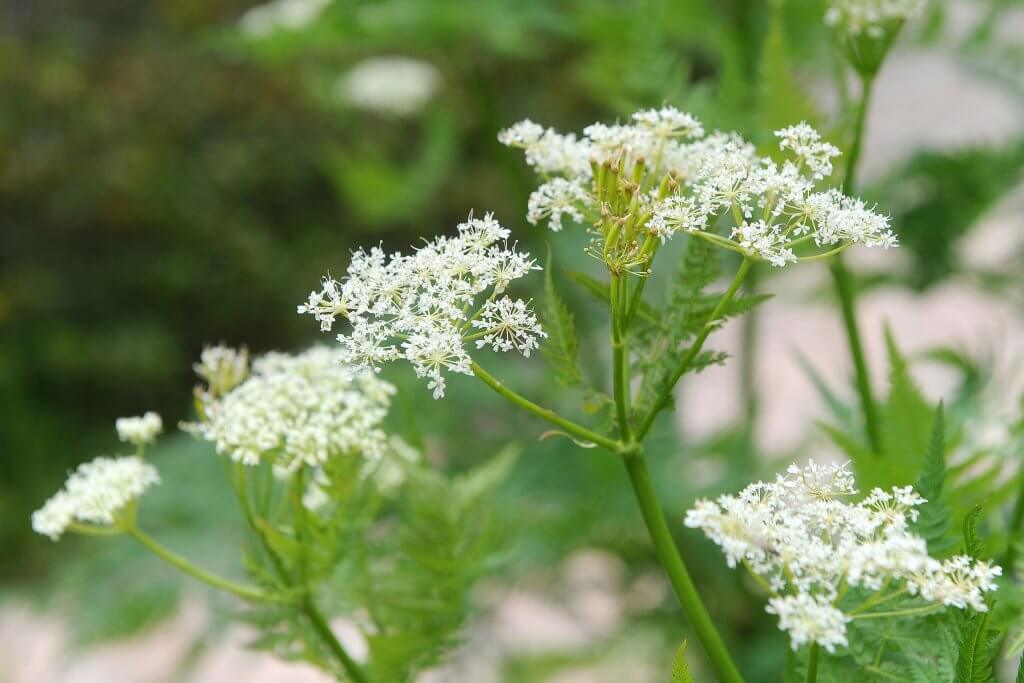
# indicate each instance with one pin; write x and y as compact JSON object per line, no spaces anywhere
{"x":698,"y":343}
{"x":172,"y":558}
{"x":679,"y":577}
{"x":812,"y":664}
{"x":551,"y":416}
{"x":845,"y":287}
{"x":323,"y":629}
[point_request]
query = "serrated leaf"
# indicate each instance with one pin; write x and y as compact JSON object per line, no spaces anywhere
{"x":680,"y":671}
{"x":975,"y":651}
{"x":562,"y":344}
{"x":934,"y":518}
{"x":973,"y":545}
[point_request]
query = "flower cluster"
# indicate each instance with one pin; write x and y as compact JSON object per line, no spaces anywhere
{"x":661,"y":174}
{"x":95,"y":493}
{"x":222,"y":368}
{"x":139,"y":430}
{"x":871,"y":17}
{"x":394,"y":85}
{"x":299,"y":409}
{"x":421,"y":306}
{"x":806,"y":542}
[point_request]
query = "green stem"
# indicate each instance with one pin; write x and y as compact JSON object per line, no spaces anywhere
{"x":672,"y":562}
{"x":665,"y":393}
{"x":241,"y":590}
{"x":545,"y":413}
{"x":925,"y":609}
{"x":812,"y":664}
{"x":845,"y":291}
{"x":842,"y":278}
{"x":323,"y":629}
{"x":1016,"y":521}
{"x":620,"y":387}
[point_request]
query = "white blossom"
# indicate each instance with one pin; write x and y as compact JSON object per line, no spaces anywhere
{"x":509,"y":324}
{"x":390,"y":85}
{"x":806,"y":539}
{"x":420,"y":306}
{"x":555,"y":199}
{"x":222,"y":368}
{"x":871,"y":17}
{"x":808,"y":147}
{"x":299,"y":409}
{"x":95,"y":493}
{"x":808,"y":619}
{"x":677,"y":178}
{"x":139,"y":430}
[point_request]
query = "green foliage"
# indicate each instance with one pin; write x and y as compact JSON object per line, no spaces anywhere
{"x":977,"y":640}
{"x":935,"y":520}
{"x":680,"y":671}
{"x":688,"y":310}
{"x":937,"y":198}
{"x":407,"y":555}
{"x":562,"y":344}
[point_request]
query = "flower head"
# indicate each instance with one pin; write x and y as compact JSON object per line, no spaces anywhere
{"x":660,"y":174}
{"x":95,"y":493}
{"x":420,"y":306}
{"x":222,"y":368}
{"x":299,"y":409}
{"x":139,"y":430}
{"x":871,"y":17}
{"x":806,"y":540}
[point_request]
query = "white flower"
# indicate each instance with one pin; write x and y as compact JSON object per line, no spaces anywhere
{"x":677,"y":213}
{"x":390,"y":85}
{"x":871,"y":17}
{"x":676,"y":178}
{"x":806,"y":541}
{"x":300,"y":409}
{"x":767,"y":240}
{"x":222,"y":368}
{"x":419,"y":306}
{"x":554,"y":199}
{"x":264,"y":20}
{"x":139,"y":430}
{"x":961,"y":582}
{"x":95,"y":493}
{"x":509,"y":324}
{"x":547,"y":150}
{"x":809,"y":149}
{"x":809,"y":618}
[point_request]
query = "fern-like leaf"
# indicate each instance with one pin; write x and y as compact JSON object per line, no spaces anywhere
{"x":680,"y":671}
{"x":935,"y":520}
{"x":562,"y":344}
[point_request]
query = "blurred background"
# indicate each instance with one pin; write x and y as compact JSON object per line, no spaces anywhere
{"x":177,"y":172}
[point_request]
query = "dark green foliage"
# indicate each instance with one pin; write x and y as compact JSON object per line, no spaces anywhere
{"x":562,"y":344}
{"x":689,"y":307}
{"x":935,"y":520}
{"x":977,"y":639}
{"x":938,"y":197}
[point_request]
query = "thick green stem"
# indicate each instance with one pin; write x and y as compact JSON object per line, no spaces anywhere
{"x":241,"y":590}
{"x":665,"y":393}
{"x":846,"y":291}
{"x":323,"y":629}
{"x":551,"y":416}
{"x":812,"y":664}
{"x":672,"y":562}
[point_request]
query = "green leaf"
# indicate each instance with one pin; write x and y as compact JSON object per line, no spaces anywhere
{"x":935,"y":519}
{"x":562,"y":344}
{"x":973,"y":545}
{"x":975,"y":651}
{"x":680,"y":671}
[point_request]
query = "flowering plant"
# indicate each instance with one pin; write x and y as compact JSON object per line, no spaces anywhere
{"x":332,"y":496}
